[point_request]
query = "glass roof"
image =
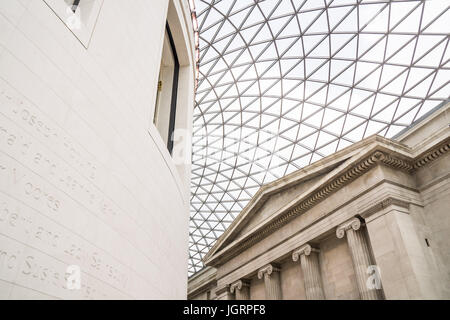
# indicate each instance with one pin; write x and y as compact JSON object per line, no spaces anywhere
{"x":284,"y":83}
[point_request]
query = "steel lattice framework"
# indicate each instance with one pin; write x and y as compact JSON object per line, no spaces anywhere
{"x":284,"y":83}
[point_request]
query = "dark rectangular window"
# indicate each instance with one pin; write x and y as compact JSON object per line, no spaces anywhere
{"x":173,"y":104}
{"x":75,"y":5}
{"x":167,"y":91}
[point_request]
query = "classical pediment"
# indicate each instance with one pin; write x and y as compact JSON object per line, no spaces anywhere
{"x":278,"y":202}
{"x":272,"y":202}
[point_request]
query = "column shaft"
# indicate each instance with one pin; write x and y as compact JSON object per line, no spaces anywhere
{"x":311,"y":275}
{"x":359,"y":250}
{"x":361,"y":261}
{"x":243,"y":294}
{"x":241,"y":289}
{"x":273,"y":286}
{"x":272,"y":282}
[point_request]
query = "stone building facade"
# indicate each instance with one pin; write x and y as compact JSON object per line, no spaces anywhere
{"x":371,"y":221}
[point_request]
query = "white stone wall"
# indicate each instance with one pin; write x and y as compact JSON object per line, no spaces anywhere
{"x":85,"y":178}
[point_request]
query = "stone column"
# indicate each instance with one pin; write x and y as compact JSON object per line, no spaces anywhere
{"x":224,"y":293}
{"x":360,"y":253}
{"x":272,"y":281}
{"x":309,"y":262}
{"x":241,"y":289}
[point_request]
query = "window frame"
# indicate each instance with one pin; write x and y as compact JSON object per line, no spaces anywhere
{"x":174,"y":93}
{"x":81,"y":28}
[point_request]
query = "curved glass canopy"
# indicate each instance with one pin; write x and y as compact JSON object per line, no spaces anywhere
{"x":284,"y":83}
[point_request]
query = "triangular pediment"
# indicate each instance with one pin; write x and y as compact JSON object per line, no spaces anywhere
{"x":273,"y":200}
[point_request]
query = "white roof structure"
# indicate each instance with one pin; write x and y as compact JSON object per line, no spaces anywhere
{"x":284,"y":83}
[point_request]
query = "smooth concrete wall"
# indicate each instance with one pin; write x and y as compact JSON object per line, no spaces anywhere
{"x":85,"y":178}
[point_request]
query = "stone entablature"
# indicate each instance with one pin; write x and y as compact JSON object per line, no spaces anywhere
{"x":360,"y":193}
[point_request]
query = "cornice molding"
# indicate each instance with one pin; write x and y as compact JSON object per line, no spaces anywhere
{"x":432,"y":154}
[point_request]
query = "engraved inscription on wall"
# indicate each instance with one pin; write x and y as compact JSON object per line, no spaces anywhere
{"x":52,"y":210}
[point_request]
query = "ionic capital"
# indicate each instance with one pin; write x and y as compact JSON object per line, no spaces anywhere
{"x":238,"y":285}
{"x":306,"y":250}
{"x":353,"y":223}
{"x":268,"y":269}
